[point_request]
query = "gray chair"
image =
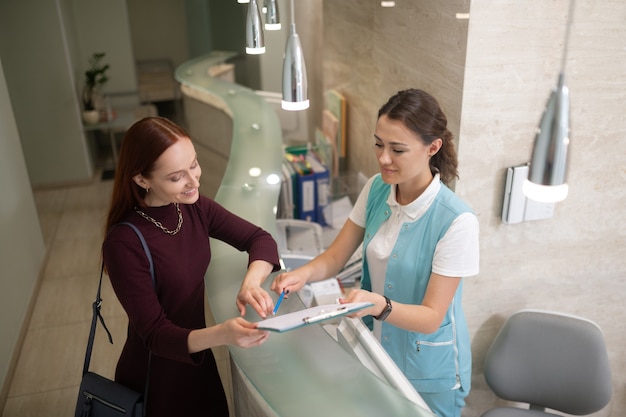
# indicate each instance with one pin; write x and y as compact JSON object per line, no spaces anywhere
{"x":551,"y":361}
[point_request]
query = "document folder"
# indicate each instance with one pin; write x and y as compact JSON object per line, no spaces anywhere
{"x":310,"y":315}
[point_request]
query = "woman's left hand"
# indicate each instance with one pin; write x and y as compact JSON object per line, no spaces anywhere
{"x":257,"y":298}
{"x":361,"y":296}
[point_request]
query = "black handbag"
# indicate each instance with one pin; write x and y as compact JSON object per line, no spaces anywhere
{"x":99,"y":396}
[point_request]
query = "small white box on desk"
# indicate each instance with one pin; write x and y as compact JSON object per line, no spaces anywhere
{"x":321,"y":292}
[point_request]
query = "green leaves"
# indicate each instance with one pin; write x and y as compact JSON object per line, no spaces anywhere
{"x":96,"y":74}
{"x":95,"y":77}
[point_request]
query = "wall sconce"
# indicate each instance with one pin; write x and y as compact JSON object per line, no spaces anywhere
{"x":516,"y":207}
{"x":548,"y":167}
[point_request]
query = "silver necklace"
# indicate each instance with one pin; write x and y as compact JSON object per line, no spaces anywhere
{"x":159,"y":225}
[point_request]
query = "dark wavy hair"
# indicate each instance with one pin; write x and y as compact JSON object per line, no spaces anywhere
{"x":142,"y":145}
{"x":421,"y":113}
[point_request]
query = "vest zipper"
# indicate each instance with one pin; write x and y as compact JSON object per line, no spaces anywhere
{"x":419,"y":342}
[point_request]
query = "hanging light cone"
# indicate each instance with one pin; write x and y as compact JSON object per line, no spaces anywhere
{"x":255,"y":44}
{"x":547,"y":173}
{"x":295,"y":90}
{"x":272,"y":16}
{"x":548,"y":167}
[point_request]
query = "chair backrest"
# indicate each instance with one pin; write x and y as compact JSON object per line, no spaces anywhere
{"x":550,"y":360}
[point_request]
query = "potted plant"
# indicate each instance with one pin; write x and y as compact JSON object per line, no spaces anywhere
{"x":95,"y":78}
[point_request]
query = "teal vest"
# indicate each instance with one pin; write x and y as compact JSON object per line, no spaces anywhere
{"x":434,"y":362}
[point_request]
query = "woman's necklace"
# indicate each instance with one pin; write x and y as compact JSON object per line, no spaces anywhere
{"x":159,"y":225}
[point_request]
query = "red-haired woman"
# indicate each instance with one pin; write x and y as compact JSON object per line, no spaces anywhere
{"x":156,"y":189}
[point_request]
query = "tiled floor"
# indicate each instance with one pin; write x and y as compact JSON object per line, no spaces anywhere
{"x":49,"y":368}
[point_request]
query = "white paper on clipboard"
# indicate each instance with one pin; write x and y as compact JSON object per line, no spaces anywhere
{"x":310,"y":315}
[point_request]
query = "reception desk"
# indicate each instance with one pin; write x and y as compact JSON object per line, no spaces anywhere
{"x":305,"y":372}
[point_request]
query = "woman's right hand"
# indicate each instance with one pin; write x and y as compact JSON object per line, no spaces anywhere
{"x":289,"y":282}
{"x":241,"y":333}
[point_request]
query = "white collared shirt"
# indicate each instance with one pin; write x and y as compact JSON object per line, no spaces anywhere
{"x":456,"y":254}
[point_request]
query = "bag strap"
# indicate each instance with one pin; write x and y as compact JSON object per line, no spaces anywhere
{"x":95,"y":307}
{"x":97,"y":304}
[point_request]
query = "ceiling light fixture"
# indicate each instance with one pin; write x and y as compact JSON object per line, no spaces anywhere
{"x":255,"y":44}
{"x":548,"y":167}
{"x":272,"y":15}
{"x":295,"y":89}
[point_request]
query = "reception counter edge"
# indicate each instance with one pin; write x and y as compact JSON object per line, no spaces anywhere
{"x":304,"y":372}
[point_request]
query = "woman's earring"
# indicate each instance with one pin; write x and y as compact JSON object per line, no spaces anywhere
{"x":147,"y":190}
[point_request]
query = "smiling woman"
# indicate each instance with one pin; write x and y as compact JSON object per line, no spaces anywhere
{"x":175,"y":176}
{"x":156,"y":189}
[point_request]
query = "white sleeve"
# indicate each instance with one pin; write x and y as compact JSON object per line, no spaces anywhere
{"x":457,"y":253}
{"x":357,"y":215}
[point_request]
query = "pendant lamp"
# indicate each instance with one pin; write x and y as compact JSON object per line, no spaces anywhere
{"x":547,"y":176}
{"x":295,"y":90}
{"x":272,"y":16}
{"x":255,"y":44}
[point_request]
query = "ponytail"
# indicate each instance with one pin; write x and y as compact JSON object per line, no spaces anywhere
{"x":445,"y":161}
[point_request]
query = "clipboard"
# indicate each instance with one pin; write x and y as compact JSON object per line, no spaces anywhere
{"x":309,"y":316}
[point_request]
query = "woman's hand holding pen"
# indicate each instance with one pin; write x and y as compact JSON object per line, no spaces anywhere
{"x":288,"y":282}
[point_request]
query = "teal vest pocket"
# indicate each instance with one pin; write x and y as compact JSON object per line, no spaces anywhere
{"x":431,"y":360}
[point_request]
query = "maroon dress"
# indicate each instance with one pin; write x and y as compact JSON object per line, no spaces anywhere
{"x":181,"y":384}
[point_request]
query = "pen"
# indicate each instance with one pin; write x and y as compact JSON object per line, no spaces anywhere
{"x":280,"y":300}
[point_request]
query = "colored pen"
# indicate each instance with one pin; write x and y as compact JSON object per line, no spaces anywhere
{"x":280,"y":300}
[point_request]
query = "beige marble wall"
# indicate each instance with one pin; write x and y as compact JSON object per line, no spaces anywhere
{"x":371,"y":52}
{"x":494,"y":95}
{"x":576,"y":261}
